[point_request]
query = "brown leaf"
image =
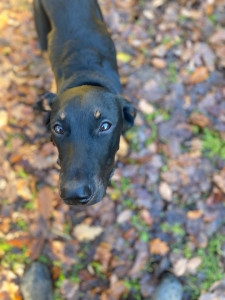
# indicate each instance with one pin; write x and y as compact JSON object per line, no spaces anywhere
{"x":45,"y":198}
{"x":219,"y":180}
{"x":146,"y":217}
{"x":116,"y":291}
{"x":158,"y":247}
{"x":199,"y":120}
{"x":103,"y":254}
{"x":199,"y":75}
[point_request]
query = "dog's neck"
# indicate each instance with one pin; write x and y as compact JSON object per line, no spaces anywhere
{"x":81,"y":66}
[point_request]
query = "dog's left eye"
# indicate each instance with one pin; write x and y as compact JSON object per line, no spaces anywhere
{"x":58,"y":129}
{"x":105,"y":126}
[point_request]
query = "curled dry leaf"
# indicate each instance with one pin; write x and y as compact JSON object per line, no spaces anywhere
{"x":158,"y":247}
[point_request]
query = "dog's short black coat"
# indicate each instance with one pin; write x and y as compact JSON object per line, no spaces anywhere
{"x":87,"y":115}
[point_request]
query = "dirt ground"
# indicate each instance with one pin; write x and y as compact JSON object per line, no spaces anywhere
{"x":165,"y":207}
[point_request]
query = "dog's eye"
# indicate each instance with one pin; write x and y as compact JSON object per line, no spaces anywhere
{"x":105,"y":126}
{"x":58,"y":129}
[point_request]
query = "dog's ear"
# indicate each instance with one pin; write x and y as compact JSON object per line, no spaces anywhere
{"x":44,"y":103}
{"x":129,"y":113}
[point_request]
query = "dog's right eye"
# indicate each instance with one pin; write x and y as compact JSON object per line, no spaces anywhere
{"x":58,"y":129}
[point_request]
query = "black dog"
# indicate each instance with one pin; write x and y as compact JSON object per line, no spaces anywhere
{"x":87,"y":115}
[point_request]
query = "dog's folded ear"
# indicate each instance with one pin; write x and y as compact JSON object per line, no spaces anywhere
{"x":44,"y":103}
{"x":129,"y":113}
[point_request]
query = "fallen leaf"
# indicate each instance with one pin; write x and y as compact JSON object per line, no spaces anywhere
{"x":193,"y":14}
{"x":193,"y":264}
{"x":199,"y":120}
{"x":3,"y":118}
{"x":116,"y":291}
{"x":146,"y":107}
{"x":194,"y":214}
{"x":146,"y":217}
{"x":85,"y":232}
{"x":103,"y":254}
{"x":165,"y":191}
{"x":158,"y":63}
{"x":180,"y":267}
{"x":45,"y":198}
{"x":123,"y":57}
{"x":126,"y":3}
{"x":124,"y":216}
{"x":69,"y":289}
{"x":199,"y":75}
{"x":158,"y":247}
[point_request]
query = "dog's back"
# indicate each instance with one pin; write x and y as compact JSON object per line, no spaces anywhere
{"x":82,"y":51}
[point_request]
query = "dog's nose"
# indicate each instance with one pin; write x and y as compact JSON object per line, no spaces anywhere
{"x":76,"y":193}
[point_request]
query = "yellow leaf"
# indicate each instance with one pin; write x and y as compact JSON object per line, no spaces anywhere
{"x":123,"y":57}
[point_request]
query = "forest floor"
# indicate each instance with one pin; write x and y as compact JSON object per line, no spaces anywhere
{"x":165,"y":207}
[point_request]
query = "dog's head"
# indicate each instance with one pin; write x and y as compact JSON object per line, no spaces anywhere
{"x":86,"y":123}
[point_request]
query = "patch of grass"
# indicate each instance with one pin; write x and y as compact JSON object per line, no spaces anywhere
{"x":43,"y":259}
{"x":12,"y":255}
{"x":21,"y":173}
{"x":125,"y":184}
{"x":175,"y":228}
{"x":141,"y":226}
{"x":132,"y":137}
{"x":130,"y":203}
{"x":153,"y":135}
{"x":212,"y":144}
{"x":22,"y":225}
{"x":212,"y":19}
{"x":134,"y":287}
{"x":166,"y":40}
{"x":98,"y":269}
{"x":209,"y":268}
{"x":151,"y":117}
{"x":29,"y":205}
{"x":173,"y":72}
{"x":210,"y":261}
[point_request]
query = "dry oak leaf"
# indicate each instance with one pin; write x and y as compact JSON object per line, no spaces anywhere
{"x":158,"y":247}
{"x":199,"y":75}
